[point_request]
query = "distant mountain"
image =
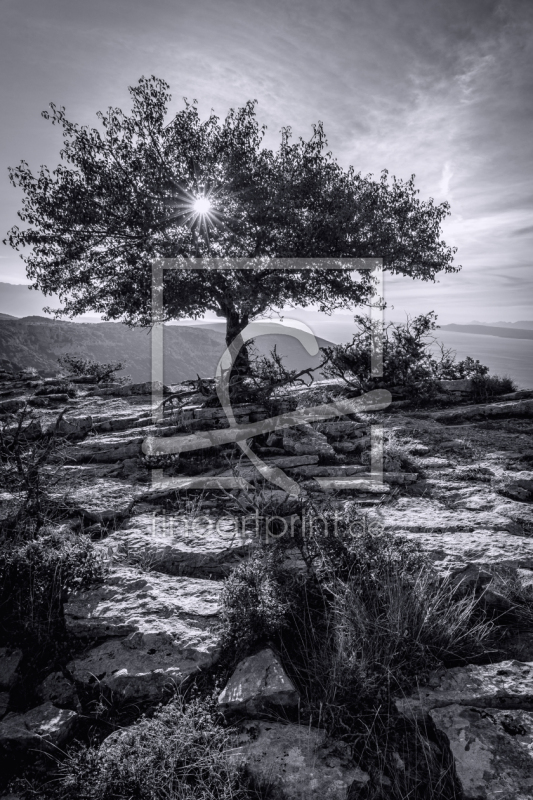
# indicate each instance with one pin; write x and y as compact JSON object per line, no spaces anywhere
{"x":188,"y":350}
{"x":526,"y":324}
{"x":489,"y":330}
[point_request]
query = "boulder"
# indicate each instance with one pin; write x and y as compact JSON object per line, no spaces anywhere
{"x":132,"y":601}
{"x":258,"y":684}
{"x":492,"y":750}
{"x":304,"y":440}
{"x":10,"y":659}
{"x":167,"y":629}
{"x":144,"y":667}
{"x":44,"y":729}
{"x":507,"y":685}
{"x":508,"y":410}
{"x":58,"y":690}
{"x":195,"y":545}
{"x":296,"y":760}
{"x":518,"y":486}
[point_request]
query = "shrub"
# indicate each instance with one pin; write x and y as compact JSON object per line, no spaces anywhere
{"x":35,"y":579}
{"x":24,"y":452}
{"x":409,"y":367}
{"x":86,"y":367}
{"x":255,"y":603}
{"x":179,"y":754}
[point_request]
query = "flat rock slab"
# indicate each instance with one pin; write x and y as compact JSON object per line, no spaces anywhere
{"x":421,"y":515}
{"x":492,"y":750}
{"x":43,"y":729}
{"x":451,"y":552}
{"x":305,"y":440}
{"x":508,"y":410}
{"x":507,"y":685}
{"x":145,"y":666}
{"x":100,"y":499}
{"x":258,"y":683}
{"x":296,"y":760}
{"x":198,"y":546}
{"x":132,"y":601}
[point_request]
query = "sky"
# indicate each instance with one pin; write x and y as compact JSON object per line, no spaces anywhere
{"x":443,"y":90}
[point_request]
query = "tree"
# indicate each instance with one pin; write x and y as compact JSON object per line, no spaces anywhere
{"x":133,"y":190}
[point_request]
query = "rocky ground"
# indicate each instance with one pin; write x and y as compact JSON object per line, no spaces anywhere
{"x":457,"y":480}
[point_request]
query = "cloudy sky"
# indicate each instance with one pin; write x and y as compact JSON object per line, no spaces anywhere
{"x":440,"y":89}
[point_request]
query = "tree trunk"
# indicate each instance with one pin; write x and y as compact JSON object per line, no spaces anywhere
{"x":235,"y":323}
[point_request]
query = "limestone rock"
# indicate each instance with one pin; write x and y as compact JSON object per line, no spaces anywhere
{"x":44,"y":729}
{"x":507,"y":685}
{"x":145,"y":666}
{"x":492,"y":750}
{"x":514,"y":409}
{"x":9,"y":663}
{"x":199,"y":546}
{"x":305,"y":440}
{"x":518,"y":486}
{"x":132,"y":601}
{"x":58,"y":690}
{"x":258,"y":683}
{"x":296,"y":761}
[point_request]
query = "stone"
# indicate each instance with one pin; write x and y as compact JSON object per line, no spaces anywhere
{"x":196,"y":545}
{"x":132,"y":601}
{"x":58,"y":690}
{"x":106,"y":449}
{"x":45,"y":729}
{"x":101,"y":500}
{"x":295,"y":760}
{"x":492,"y":750}
{"x":10,"y":659}
{"x":518,"y":486}
{"x":337,"y":430}
{"x":145,"y":667}
{"x":305,"y":440}
{"x":507,"y":685}
{"x":258,"y":684}
{"x":507,"y":410}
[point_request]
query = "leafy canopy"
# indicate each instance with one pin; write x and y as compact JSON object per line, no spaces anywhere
{"x":124,"y":194}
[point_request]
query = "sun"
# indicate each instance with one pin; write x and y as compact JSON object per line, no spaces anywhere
{"x":202,"y":205}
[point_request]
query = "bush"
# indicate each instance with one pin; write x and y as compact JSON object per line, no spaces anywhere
{"x":24,"y":452}
{"x":86,"y":367}
{"x":35,"y":579}
{"x":409,"y":368}
{"x":255,"y":603}
{"x":368,"y":618}
{"x":179,"y":754}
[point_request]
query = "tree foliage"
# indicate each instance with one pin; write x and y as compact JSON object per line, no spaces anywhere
{"x":123,"y":195}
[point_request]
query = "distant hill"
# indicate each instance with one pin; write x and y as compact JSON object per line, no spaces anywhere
{"x":527,"y":324}
{"x":188,"y":350}
{"x":490,"y":330}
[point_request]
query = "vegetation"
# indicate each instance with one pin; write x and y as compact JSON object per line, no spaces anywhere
{"x":128,"y":193}
{"x":410,"y":369}
{"x":86,"y":367}
{"x":36,"y":577}
{"x":365,"y":621}
{"x":179,"y":754}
